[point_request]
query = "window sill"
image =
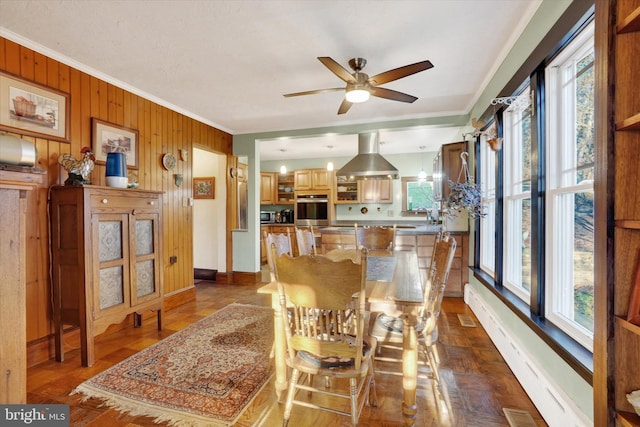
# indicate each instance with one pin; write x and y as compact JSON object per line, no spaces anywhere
{"x":576,"y":356}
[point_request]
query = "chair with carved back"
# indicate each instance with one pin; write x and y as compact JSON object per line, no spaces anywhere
{"x":375,"y":237}
{"x":306,"y":241}
{"x":282,"y":244}
{"x":388,"y":329}
{"x":319,"y":294}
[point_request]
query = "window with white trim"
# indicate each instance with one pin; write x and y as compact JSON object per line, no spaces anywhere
{"x":489,"y":200}
{"x":517,"y":197}
{"x":570,"y":168}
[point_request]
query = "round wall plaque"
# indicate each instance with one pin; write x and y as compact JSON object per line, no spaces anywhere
{"x":169,"y":161}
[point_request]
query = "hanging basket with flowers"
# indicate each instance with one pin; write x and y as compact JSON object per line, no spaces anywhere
{"x":465,"y":194}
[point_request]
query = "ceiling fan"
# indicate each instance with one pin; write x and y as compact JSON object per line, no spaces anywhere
{"x":360,"y":86}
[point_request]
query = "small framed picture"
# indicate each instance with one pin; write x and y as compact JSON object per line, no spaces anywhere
{"x":31,"y":109}
{"x":110,"y":138}
{"x":204,"y":188}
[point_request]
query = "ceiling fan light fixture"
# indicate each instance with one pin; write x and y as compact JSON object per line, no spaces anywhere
{"x":357,"y":95}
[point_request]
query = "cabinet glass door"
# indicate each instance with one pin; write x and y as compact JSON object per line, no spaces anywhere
{"x":112,"y":249}
{"x":144,"y":246}
{"x":146,"y":231}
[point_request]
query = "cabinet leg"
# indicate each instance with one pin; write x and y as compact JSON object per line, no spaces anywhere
{"x":137,"y":320}
{"x":87,"y":349}
{"x":59,"y":344}
{"x":159,"y":320}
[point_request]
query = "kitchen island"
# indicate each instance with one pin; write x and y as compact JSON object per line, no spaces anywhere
{"x":416,"y":236}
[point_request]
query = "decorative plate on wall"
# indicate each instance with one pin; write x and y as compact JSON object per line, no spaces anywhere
{"x":169,"y":161}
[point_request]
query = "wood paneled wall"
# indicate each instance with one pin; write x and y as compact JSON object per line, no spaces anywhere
{"x":161,"y":131}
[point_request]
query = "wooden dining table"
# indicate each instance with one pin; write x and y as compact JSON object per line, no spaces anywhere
{"x":394,"y":287}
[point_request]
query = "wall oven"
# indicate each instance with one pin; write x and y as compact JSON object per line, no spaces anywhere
{"x":312,"y":209}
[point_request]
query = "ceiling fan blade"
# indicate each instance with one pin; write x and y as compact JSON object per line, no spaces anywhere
{"x":312,"y":92}
{"x":394,"y":95}
{"x":337,"y":69}
{"x":344,"y":107}
{"x":398,"y":73}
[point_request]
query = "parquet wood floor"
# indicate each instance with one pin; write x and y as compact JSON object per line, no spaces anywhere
{"x":475,"y":381}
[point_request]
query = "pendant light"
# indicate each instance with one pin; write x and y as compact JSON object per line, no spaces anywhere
{"x":283,"y":168}
{"x":422,"y":176}
{"x":330,"y":163}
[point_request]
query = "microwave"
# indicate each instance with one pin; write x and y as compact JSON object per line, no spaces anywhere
{"x":267,"y":217}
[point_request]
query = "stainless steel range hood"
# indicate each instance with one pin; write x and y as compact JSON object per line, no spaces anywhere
{"x":368,"y":163}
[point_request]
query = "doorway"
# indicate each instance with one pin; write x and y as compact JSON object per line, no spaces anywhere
{"x":210,"y":217}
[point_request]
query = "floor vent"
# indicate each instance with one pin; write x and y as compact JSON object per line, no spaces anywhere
{"x":466,"y":321}
{"x":519,"y":418}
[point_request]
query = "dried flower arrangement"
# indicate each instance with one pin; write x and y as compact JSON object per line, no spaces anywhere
{"x":465,"y":195}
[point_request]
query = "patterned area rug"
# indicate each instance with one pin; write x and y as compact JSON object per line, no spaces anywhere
{"x":203,"y":375}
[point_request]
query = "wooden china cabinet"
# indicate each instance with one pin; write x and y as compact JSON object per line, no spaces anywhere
{"x":106,"y":260}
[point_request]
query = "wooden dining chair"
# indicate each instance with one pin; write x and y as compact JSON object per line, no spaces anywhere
{"x":306,"y":241}
{"x":321,"y":294}
{"x":375,"y":237}
{"x":388,"y":329}
{"x":282,"y":244}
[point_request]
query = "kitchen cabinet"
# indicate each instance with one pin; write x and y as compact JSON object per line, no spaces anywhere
{"x":451,"y":164}
{"x":313,"y":179}
{"x":268,"y":186}
{"x":422,"y":243}
{"x":346,"y":190}
{"x":617,"y":210}
{"x":285,"y":186}
{"x":351,"y":190}
{"x":376,"y":191}
{"x":106,"y":260}
{"x":459,"y":272}
{"x":343,"y":239}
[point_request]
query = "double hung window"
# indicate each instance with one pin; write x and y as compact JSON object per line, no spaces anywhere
{"x":517,"y":196}
{"x":489,"y":200}
{"x":545,"y":189}
{"x":570,"y":163}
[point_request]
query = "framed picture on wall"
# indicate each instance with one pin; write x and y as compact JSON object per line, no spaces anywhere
{"x":32,"y":109}
{"x":204,"y":188}
{"x":110,"y":138}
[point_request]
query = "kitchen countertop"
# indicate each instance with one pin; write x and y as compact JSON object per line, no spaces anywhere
{"x":406,"y":228}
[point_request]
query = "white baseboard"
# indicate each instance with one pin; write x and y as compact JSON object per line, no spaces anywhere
{"x":553,"y":404}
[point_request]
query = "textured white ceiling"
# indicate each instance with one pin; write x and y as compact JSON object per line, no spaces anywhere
{"x":228,"y":62}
